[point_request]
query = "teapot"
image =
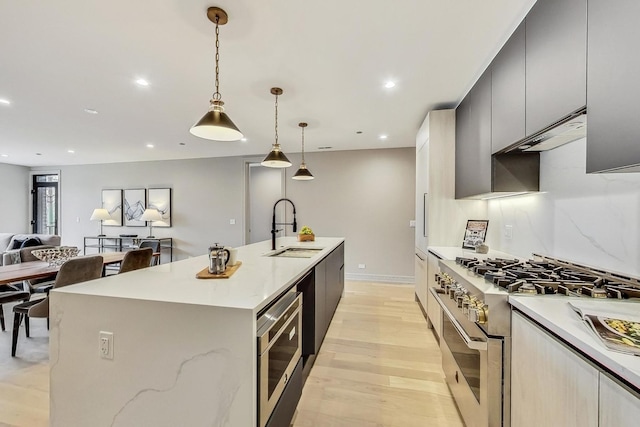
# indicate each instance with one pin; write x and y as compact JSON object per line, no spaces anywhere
{"x":218,"y":257}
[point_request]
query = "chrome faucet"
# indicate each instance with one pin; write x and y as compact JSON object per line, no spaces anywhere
{"x":274,"y":223}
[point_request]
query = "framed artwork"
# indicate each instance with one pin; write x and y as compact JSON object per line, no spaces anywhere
{"x":160,"y":199}
{"x":112,"y":202}
{"x":134,"y":206}
{"x":475,"y":233}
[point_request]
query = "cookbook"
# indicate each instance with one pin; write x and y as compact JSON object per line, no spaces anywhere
{"x":617,"y":333}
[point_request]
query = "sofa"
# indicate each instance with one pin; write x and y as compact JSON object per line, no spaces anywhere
{"x":10,"y":243}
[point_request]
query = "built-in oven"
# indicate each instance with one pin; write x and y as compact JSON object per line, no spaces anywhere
{"x":473,"y":363}
{"x":279,"y":332}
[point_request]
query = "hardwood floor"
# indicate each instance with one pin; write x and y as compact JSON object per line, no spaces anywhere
{"x":379,"y":366}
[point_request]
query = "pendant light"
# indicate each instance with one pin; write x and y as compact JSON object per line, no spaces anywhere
{"x":303,"y":173}
{"x":215,"y":124}
{"x":276,"y":158}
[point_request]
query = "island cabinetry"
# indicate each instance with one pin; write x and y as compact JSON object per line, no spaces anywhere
{"x":556,"y":61}
{"x":550,"y":384}
{"x":322,"y":289}
{"x":619,"y":406}
{"x":612,"y":72}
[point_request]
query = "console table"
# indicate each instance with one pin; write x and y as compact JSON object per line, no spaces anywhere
{"x":120,"y":244}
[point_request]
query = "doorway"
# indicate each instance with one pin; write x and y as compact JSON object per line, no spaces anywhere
{"x":45,"y":198}
{"x":264,"y":187}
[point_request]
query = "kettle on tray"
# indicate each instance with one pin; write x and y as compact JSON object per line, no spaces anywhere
{"x":218,"y":258}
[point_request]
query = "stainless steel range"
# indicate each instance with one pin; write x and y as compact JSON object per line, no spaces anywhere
{"x":476,"y":324}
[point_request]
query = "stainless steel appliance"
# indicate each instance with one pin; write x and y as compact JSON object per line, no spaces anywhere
{"x":476,"y":328}
{"x":218,"y":257}
{"x":279,"y":332}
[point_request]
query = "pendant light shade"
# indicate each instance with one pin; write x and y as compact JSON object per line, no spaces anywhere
{"x":302,"y":174}
{"x":276,"y":158}
{"x":216,"y":124}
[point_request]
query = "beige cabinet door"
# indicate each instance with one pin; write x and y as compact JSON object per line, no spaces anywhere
{"x":434,"y":311}
{"x":619,"y":406}
{"x":550,"y":384}
{"x":421,"y":278}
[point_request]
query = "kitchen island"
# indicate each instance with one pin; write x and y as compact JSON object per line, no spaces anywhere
{"x":184,"y":350}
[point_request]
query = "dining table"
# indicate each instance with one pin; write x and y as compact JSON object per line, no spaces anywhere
{"x":40,"y":269}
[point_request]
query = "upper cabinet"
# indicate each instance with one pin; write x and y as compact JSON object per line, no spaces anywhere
{"x":613,"y":132}
{"x":508,"y":93}
{"x":473,"y":140}
{"x":556,"y":60}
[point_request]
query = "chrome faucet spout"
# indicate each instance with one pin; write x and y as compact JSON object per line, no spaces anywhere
{"x":294,"y":224}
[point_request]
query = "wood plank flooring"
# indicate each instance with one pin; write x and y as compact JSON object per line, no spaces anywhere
{"x":379,"y":366}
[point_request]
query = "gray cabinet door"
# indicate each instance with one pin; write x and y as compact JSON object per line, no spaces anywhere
{"x":321,"y":321}
{"x":613,"y":131}
{"x":473,"y":140}
{"x":508,"y":92}
{"x":556,"y":51}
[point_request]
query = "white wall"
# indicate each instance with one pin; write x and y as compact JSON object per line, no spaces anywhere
{"x":366,"y":196}
{"x":14,"y":199}
{"x":591,"y":219}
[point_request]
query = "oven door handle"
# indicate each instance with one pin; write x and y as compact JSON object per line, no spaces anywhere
{"x":472,"y":344}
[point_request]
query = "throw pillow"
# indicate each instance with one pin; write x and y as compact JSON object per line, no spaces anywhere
{"x":17,"y":244}
{"x":31,"y":241}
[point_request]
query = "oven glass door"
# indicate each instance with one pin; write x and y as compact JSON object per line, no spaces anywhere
{"x":467,"y":359}
{"x":282,"y":353}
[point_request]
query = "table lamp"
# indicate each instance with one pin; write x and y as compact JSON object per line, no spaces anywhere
{"x":151,"y":215}
{"x":100,"y":214}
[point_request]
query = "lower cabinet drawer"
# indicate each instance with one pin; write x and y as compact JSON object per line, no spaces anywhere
{"x":285,"y":408}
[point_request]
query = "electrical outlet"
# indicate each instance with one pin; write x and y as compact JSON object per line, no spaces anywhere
{"x":232,"y":222}
{"x":508,"y":232}
{"x":106,"y":345}
{"x":412,"y":223}
{"x":362,"y":266}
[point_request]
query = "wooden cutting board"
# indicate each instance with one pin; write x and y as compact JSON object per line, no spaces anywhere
{"x":228,"y":272}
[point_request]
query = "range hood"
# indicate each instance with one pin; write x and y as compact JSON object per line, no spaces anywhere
{"x":569,"y":129}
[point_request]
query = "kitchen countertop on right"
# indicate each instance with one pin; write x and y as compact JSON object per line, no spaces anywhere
{"x":555,"y":314}
{"x":451,"y":252}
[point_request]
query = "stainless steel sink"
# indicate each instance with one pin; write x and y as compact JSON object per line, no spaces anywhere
{"x":296,"y":252}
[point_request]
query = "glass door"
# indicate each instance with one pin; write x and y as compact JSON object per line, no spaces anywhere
{"x":45,"y":196}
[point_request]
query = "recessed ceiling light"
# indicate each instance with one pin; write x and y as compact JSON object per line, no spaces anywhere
{"x":243,"y":139}
{"x":70,"y":151}
{"x":90,"y":111}
{"x":325,"y":148}
{"x":359,"y":132}
{"x":4,"y":155}
{"x":5,"y":101}
{"x":182,"y":143}
{"x":149,"y":145}
{"x":142,"y":82}
{"x":389,"y":84}
{"x":384,"y":136}
{"x":38,"y":154}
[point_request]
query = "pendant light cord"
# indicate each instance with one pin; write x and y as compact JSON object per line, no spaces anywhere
{"x":276,"y":144}
{"x":303,"y":145}
{"x":216,"y":94}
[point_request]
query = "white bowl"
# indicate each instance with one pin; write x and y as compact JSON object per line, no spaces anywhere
{"x":56,"y":256}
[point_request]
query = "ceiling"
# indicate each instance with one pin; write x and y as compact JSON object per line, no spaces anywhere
{"x":331,"y":57}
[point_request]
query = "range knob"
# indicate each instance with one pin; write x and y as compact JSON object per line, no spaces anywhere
{"x":478,"y":313}
{"x":461,"y":299}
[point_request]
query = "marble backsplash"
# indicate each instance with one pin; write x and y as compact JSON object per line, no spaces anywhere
{"x":587,"y":218}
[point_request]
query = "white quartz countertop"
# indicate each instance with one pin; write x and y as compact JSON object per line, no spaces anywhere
{"x":555,"y":314}
{"x":451,"y":252}
{"x":258,"y":281}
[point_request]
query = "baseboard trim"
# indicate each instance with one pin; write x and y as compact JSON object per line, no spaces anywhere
{"x":380,"y":278}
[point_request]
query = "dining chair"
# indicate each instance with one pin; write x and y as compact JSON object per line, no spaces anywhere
{"x":11,"y":293}
{"x":76,"y":270}
{"x":155,"y":245}
{"x":136,"y":259}
{"x":36,"y":285}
